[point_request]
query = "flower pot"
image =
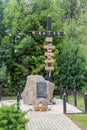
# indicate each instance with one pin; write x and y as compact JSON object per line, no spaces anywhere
{"x":36,"y":108}
{"x":44,"y":108}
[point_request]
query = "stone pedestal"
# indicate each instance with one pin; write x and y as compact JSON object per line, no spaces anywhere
{"x":34,"y":94}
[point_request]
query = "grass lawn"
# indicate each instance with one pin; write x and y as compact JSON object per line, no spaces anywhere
{"x":9,"y":98}
{"x":57,"y":96}
{"x":80,"y":120}
{"x":80,"y":101}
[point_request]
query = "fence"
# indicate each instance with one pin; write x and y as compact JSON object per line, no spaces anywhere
{"x":6,"y":96}
{"x":76,"y":99}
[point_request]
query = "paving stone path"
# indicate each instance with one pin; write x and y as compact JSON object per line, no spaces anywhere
{"x":44,"y":121}
{"x":53,"y":119}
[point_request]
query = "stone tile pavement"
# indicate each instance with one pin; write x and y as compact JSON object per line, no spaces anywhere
{"x":45,"y":121}
{"x":53,"y":119}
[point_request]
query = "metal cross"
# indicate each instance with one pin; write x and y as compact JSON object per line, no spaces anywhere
{"x":49,"y":34}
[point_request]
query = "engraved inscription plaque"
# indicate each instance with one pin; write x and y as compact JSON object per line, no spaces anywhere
{"x":41,"y":89}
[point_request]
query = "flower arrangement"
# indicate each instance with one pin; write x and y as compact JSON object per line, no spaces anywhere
{"x":44,"y":108}
{"x":36,"y":108}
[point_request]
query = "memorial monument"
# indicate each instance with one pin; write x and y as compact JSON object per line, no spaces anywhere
{"x":37,"y":89}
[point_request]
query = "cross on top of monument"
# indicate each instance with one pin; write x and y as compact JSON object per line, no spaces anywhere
{"x":49,"y":32}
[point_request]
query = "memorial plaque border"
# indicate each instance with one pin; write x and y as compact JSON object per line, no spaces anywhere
{"x":41,"y":89}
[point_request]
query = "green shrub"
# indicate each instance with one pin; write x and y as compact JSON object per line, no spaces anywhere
{"x":11,"y":118}
{"x":84,"y":89}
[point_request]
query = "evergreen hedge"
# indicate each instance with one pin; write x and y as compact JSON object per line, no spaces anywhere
{"x":12,"y":118}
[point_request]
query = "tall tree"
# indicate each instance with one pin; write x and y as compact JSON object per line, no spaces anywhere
{"x":72,"y":69}
{"x":26,"y":52}
{"x":2,"y":27}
